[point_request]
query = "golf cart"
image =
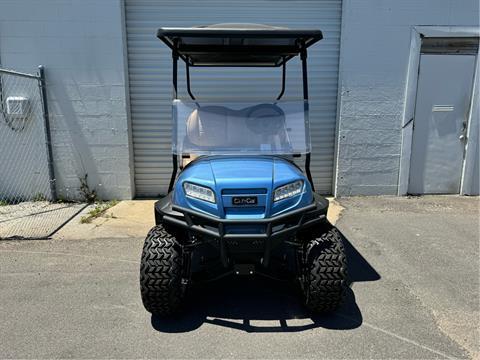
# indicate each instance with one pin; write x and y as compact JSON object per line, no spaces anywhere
{"x":241,"y":205}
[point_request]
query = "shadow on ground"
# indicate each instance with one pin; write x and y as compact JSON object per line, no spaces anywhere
{"x":263,"y":305}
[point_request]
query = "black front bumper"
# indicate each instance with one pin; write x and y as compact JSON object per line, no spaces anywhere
{"x":272,"y":231}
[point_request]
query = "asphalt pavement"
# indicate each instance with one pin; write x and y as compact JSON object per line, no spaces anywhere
{"x":414,"y":273}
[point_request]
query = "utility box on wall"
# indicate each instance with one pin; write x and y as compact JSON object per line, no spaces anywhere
{"x":17,"y":107}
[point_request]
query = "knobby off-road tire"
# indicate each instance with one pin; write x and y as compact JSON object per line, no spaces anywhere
{"x":161,"y":273}
{"x":325,"y":280}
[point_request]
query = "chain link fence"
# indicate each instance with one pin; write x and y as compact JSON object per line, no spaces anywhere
{"x":29,"y":205}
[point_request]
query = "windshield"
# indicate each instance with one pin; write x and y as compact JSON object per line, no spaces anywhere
{"x":207,"y":128}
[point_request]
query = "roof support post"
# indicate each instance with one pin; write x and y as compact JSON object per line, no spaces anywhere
{"x":284,"y":72}
{"x":187,"y":70}
{"x":175,"y":96}
{"x":175,"y":73}
{"x":303,"y":57}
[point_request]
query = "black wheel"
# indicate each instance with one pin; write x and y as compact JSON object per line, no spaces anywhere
{"x":324,"y":282}
{"x":161,"y":272}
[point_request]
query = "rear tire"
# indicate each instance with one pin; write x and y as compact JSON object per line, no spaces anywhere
{"x":324,"y":283}
{"x":161,"y":272}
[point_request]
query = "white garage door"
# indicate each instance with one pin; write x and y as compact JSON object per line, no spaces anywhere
{"x":149,"y":64}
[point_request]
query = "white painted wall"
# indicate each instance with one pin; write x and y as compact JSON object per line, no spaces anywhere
{"x":81,"y":45}
{"x":375,"y":48}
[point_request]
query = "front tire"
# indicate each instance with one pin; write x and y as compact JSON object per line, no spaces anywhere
{"x":161,"y":272}
{"x":324,"y":282}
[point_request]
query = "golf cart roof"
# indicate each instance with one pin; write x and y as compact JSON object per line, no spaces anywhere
{"x":237,"y":44}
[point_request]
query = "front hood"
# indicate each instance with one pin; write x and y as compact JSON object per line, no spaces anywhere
{"x":243,"y":172}
{"x":237,"y":176}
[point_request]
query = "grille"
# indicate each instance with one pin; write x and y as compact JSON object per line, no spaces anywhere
{"x":243,"y":191}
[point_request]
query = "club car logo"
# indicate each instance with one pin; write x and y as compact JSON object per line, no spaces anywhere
{"x":244,"y":200}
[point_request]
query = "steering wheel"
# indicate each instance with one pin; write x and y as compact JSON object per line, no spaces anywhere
{"x":265,"y":119}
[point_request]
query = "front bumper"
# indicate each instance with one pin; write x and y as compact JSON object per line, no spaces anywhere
{"x":267,"y":234}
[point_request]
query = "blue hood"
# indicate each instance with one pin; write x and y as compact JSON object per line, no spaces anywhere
{"x":231,"y":172}
{"x":241,"y":176}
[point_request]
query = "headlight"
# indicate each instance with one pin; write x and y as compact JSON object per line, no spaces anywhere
{"x":199,"y":192}
{"x":289,"y":190}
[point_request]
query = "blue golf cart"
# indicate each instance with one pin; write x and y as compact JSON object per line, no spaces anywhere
{"x":241,"y":205}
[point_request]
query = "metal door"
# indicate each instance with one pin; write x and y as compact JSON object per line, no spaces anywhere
{"x":440,"y":123}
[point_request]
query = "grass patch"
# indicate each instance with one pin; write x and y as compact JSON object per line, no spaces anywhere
{"x":64,"y":200}
{"x":99,"y":210}
{"x":3,"y":203}
{"x":39,"y":197}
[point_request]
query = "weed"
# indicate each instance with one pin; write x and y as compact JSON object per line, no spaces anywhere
{"x":89,"y":195}
{"x":99,"y":209}
{"x":63,"y":200}
{"x":3,"y":203}
{"x":39,"y":197}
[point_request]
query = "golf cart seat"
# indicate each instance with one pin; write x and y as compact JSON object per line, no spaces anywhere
{"x":221,"y":127}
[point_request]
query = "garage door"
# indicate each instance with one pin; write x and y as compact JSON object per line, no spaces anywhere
{"x":149,"y":66}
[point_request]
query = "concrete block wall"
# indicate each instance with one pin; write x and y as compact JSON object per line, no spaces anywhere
{"x":375,"y":46}
{"x":80,"y":43}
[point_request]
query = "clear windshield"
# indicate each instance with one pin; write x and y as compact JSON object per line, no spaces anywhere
{"x":207,"y":128}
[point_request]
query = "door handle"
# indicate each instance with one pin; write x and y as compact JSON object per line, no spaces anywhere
{"x":462,"y":137}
